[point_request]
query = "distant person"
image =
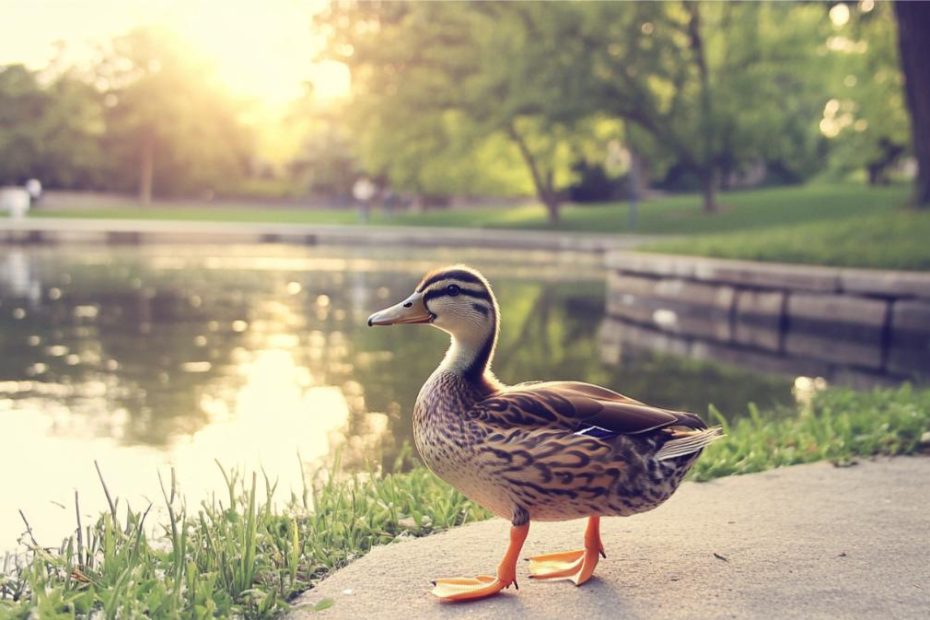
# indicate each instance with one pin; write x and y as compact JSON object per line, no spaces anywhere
{"x":34,"y":189}
{"x":363,"y":191}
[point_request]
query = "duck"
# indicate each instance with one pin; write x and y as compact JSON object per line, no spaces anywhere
{"x":539,"y":451}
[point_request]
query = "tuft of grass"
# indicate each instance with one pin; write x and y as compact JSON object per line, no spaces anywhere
{"x":233,"y":556}
{"x":241,"y":556}
{"x":837,"y":425}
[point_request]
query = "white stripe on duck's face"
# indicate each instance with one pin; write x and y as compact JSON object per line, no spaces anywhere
{"x":463,"y":305}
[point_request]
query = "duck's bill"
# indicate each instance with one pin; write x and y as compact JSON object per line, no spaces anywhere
{"x":410,"y":310}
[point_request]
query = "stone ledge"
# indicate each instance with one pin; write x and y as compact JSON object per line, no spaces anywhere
{"x":784,"y":276}
{"x":912,"y":316}
{"x":736,"y":272}
{"x":898,"y":284}
{"x":838,"y":309}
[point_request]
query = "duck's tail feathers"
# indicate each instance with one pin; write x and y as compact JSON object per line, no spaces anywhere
{"x":688,"y":442}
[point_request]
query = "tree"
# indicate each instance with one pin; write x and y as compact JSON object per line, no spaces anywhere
{"x":718,"y":85}
{"x":326,"y":162}
{"x":168,"y":117}
{"x":437,"y":83}
{"x":714,"y":87}
{"x":71,"y":133}
{"x":51,"y":131}
{"x":21,"y":105}
{"x":913,"y":25}
{"x":865,"y":118}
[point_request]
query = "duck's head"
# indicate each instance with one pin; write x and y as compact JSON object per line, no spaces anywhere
{"x":457,"y":300}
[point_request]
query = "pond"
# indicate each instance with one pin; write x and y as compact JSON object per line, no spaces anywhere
{"x":143,"y":358}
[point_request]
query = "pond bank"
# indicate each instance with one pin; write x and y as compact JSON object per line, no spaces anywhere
{"x":858,"y":327}
{"x":799,"y":542}
{"x":60,"y":230}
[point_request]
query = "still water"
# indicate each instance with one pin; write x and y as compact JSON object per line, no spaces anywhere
{"x":145,"y":358}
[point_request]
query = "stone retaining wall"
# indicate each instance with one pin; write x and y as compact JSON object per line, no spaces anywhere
{"x":877,"y":321}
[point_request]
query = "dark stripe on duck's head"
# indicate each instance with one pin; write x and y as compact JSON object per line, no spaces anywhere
{"x":459,"y":274}
{"x":445,"y":292}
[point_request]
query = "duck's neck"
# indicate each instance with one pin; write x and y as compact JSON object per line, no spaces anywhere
{"x":470,"y":355}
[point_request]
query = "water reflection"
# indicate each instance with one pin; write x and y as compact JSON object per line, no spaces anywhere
{"x":147,"y":357}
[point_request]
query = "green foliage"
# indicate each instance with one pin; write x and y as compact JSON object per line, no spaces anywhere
{"x":708,"y":88}
{"x":486,"y":98}
{"x":173,"y":127}
{"x":49,"y":132}
{"x":326,"y":161}
{"x":715,"y":86}
{"x":866,"y":118}
{"x":431,"y":91}
{"x":895,"y":240}
{"x":838,"y":425}
{"x":150,"y":116}
{"x":20,"y":97}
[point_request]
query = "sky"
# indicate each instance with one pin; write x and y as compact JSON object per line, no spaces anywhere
{"x":263,"y":49}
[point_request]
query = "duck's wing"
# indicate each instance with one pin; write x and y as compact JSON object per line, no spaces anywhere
{"x":577,"y":407}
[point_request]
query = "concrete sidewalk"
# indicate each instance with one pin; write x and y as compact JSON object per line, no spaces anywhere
{"x":38,"y":229}
{"x":812,"y":541}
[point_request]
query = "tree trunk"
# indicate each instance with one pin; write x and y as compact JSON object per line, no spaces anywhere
{"x":709,"y":174}
{"x":709,"y":190}
{"x":545,"y":186}
{"x":553,"y":206}
{"x":146,"y":168}
{"x":914,"y":43}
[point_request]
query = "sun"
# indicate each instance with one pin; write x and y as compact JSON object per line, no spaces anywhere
{"x":263,"y":50}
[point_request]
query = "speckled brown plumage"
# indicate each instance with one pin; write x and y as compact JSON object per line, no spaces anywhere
{"x":517,"y":450}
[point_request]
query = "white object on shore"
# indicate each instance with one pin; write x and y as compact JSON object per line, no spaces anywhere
{"x":34,"y":187}
{"x":15,"y":200}
{"x":364,"y":190}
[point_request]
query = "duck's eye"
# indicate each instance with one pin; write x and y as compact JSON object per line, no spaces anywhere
{"x":453,"y":289}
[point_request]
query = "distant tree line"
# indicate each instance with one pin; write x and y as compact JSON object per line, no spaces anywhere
{"x":149,"y":115}
{"x":504,"y":98}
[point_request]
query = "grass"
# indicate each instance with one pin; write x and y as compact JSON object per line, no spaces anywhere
{"x":837,"y":425}
{"x":236,"y":556}
{"x":672,"y":215}
{"x":843,"y":224}
{"x":240,"y":556}
{"x":894,"y":240}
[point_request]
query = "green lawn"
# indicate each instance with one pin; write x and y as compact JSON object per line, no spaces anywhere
{"x":240,"y":556}
{"x":836,"y":224}
{"x":893,"y":239}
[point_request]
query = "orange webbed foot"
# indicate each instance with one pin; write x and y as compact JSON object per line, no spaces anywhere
{"x":578,"y":565}
{"x":483,"y":586}
{"x":468,"y":588}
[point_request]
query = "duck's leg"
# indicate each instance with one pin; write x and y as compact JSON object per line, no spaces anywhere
{"x":465,"y":588}
{"x":576,"y":565}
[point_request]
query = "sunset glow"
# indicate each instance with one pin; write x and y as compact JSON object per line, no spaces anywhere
{"x":263,"y":51}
